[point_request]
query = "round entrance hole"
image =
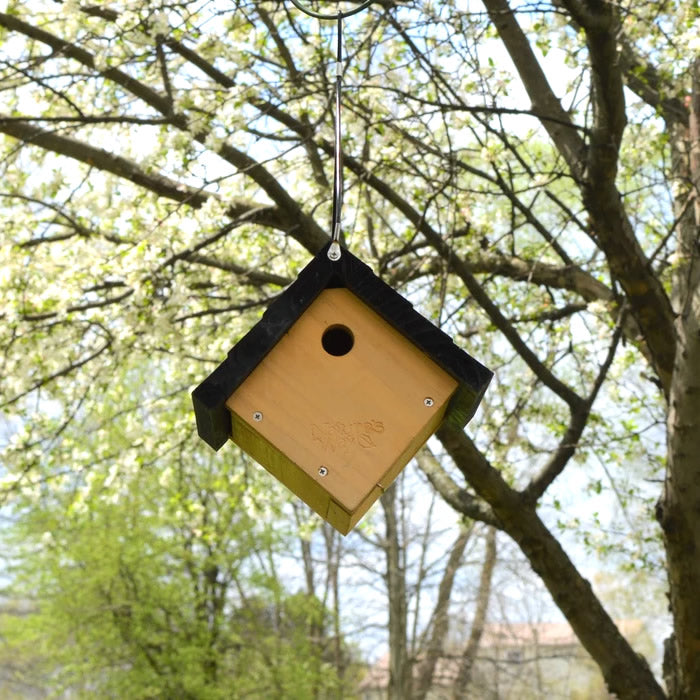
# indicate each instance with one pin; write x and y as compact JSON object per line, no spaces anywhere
{"x":337,"y":340}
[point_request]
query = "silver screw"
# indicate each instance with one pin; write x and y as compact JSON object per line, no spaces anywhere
{"x":257,"y":416}
{"x":428,"y":401}
{"x":322,"y":471}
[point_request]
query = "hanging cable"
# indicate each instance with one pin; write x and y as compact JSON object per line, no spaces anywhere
{"x":334,"y":251}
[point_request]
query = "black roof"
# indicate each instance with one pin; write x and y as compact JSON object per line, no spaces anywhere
{"x":209,"y":398}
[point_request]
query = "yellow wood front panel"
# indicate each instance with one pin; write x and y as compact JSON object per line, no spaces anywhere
{"x":361,"y":415}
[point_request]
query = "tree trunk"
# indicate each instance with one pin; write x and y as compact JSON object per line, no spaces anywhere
{"x":399,"y":663}
{"x":461,"y":686}
{"x":439,"y":624}
{"x":679,"y":507}
{"x":333,"y":555}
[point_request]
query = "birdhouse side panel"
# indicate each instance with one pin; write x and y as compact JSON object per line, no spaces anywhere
{"x":411,"y":448}
{"x":280,"y":466}
{"x":342,"y":520}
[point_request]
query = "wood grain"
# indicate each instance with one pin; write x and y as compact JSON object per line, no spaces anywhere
{"x":361,"y":415}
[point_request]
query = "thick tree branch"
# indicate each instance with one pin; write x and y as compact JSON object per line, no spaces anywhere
{"x":602,"y":26}
{"x":678,"y":509}
{"x":625,"y":672}
{"x":279,"y":42}
{"x":160,"y":185}
{"x":90,"y":119}
{"x":612,"y":229}
{"x":165,"y":75}
{"x":595,"y":167}
{"x":644,"y":80}
{"x":66,"y":48}
{"x":639,"y":74}
{"x":569,"y":277}
{"x":100,"y":158}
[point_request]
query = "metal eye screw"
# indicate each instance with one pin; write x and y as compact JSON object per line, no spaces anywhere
{"x":322,"y":471}
{"x":428,"y":401}
{"x":257,"y":416}
{"x":334,"y":251}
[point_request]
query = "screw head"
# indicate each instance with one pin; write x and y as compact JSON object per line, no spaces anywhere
{"x":257,"y":416}
{"x":428,"y":401}
{"x":322,"y":471}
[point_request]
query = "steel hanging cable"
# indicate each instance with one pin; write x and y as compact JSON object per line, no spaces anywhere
{"x":334,"y":251}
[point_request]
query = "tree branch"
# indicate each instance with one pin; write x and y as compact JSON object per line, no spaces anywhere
{"x":569,"y":277}
{"x":298,"y":224}
{"x":104,"y":160}
{"x":68,"y":369}
{"x":595,"y":167}
{"x":566,"y":138}
{"x":254,"y":276}
{"x":613,"y":231}
{"x":160,"y":185}
{"x":459,"y":498}
{"x":90,"y":119}
{"x":279,"y":43}
{"x":644,"y":80}
{"x":464,"y":271}
{"x":499,"y":182}
{"x":70,"y":221}
{"x":577,"y":424}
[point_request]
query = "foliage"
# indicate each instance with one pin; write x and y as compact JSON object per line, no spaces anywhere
{"x":150,"y":578}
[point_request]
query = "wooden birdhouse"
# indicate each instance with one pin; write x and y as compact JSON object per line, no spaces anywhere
{"x":337,"y":387}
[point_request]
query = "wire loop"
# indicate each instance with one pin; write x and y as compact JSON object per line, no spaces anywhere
{"x":335,"y":15}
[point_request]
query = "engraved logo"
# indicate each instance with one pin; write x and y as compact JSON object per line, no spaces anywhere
{"x":337,"y":436}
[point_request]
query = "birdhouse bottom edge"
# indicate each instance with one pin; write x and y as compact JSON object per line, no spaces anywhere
{"x":311,"y":490}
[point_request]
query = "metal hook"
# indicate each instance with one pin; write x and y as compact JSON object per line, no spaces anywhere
{"x":336,"y":15}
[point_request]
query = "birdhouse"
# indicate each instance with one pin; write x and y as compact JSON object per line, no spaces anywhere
{"x":337,"y":387}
